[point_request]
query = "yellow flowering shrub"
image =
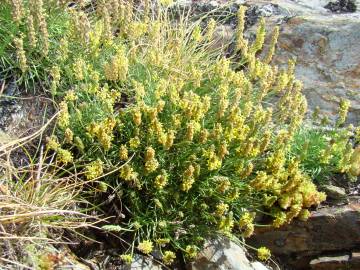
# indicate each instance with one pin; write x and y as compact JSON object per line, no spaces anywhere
{"x":187,"y":137}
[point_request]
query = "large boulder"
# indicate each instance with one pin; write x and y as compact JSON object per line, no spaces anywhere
{"x":328,"y":230}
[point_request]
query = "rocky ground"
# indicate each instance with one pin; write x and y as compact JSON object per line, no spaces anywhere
{"x":324,"y":37}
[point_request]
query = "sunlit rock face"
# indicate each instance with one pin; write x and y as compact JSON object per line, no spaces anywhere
{"x":322,"y":36}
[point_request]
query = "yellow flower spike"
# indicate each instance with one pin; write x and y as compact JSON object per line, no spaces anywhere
{"x":204,"y":135}
{"x":160,"y":106}
{"x":63,"y":52}
{"x":127,"y":173}
{"x":223,"y":183}
{"x":214,"y":163}
{"x":64,"y":156}
{"x":210,"y":29}
{"x":291,"y":68}
{"x":226,"y":224}
{"x":262,"y":181}
{"x":44,"y":35}
{"x":64,"y":117}
{"x":293,"y":212}
{"x":123,"y":153}
{"x":169,"y":141}
{"x":221,"y":209}
{"x":78,"y":69}
{"x":161,"y":180}
{"x":20,"y":53}
{"x":134,"y":143}
{"x":126,"y":258}
{"x":223,"y":151}
{"x":17,"y":10}
{"x":248,"y":230}
{"x":169,"y":256}
{"x":357,"y":134}
{"x":161,"y":89}
{"x":196,"y":33}
{"x":263,"y":253}
{"x":117,"y":68}
{"x":137,"y":116}
{"x":69,"y":135}
{"x":151,"y":164}
{"x":223,"y":105}
{"x":106,"y":24}
{"x":136,"y":30}
{"x":241,"y":43}
{"x":149,"y":154}
{"x":191,"y":251}
{"x":145,"y":247}
{"x":217,"y":131}
{"x":31,"y":31}
{"x":265,"y":141}
{"x":52,"y":143}
{"x":246,"y":219}
{"x":70,"y":96}
{"x":344,"y":106}
{"x":94,"y":169}
{"x":190,"y":129}
{"x":162,"y":241}
{"x":188,"y":178}
{"x":152,"y":114}
{"x":282,"y":81}
{"x":280,"y":219}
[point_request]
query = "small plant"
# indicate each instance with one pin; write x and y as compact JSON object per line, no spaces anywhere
{"x":326,"y":149}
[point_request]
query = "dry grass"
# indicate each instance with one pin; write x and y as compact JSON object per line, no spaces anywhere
{"x":36,"y":206}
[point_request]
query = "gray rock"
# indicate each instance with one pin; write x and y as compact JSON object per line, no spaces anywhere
{"x":223,"y":254}
{"x":258,"y":266}
{"x":334,"y":193}
{"x":327,"y":49}
{"x":328,"y":230}
{"x":330,"y":263}
{"x":325,"y":44}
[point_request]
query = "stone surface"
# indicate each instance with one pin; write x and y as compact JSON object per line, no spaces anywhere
{"x":326,"y":45}
{"x":327,"y":48}
{"x":334,"y":193}
{"x":223,"y":254}
{"x":330,"y":263}
{"x":258,"y":266}
{"x":328,"y":230}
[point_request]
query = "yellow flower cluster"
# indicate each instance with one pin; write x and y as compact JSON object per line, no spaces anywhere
{"x":94,"y":170}
{"x":21,"y":54}
{"x":126,"y":258}
{"x":169,"y":257}
{"x":263,"y":253}
{"x":117,"y":68}
{"x":103,"y":132}
{"x":188,"y":178}
{"x":344,"y":106}
{"x":246,"y":224}
{"x":145,"y":247}
{"x":151,"y":164}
